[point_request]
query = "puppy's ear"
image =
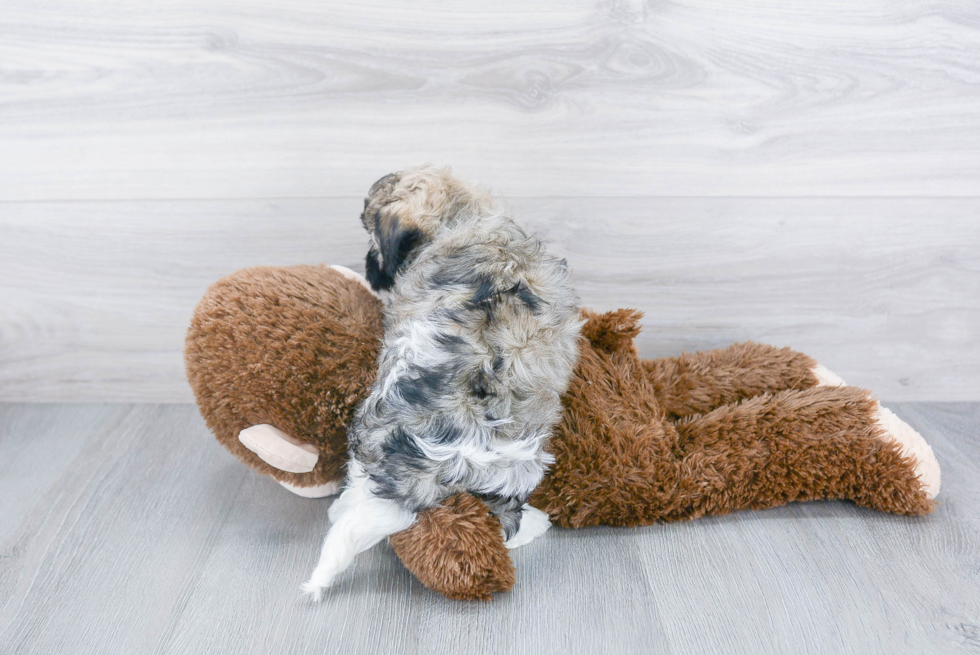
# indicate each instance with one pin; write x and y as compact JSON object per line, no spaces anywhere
{"x":374,"y":272}
{"x":395,"y":244}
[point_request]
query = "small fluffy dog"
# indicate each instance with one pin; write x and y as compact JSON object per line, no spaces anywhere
{"x":481,"y":336}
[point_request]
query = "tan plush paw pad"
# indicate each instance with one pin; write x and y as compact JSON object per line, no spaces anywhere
{"x":912,"y":445}
{"x":826,"y":377}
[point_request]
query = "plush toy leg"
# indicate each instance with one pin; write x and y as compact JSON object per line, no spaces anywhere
{"x":826,"y":377}
{"x":821,"y":443}
{"x":913,"y":446}
{"x":697,"y":383}
{"x":910,"y":441}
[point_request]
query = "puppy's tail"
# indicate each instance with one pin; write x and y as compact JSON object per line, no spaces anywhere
{"x":364,"y":521}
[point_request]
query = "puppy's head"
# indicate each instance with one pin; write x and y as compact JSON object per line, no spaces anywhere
{"x":404,"y":210}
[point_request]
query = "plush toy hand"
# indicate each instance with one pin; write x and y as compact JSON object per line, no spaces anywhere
{"x":457,"y":549}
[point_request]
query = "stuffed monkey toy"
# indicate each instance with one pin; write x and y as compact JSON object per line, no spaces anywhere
{"x":279,"y":359}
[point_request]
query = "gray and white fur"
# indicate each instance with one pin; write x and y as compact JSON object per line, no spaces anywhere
{"x":481,"y":331}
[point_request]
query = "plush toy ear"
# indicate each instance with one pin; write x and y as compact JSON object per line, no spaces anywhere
{"x":612,"y":331}
{"x":278,"y":449}
{"x":394,"y":242}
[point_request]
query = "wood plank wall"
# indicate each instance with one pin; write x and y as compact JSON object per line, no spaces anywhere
{"x":806,"y":174}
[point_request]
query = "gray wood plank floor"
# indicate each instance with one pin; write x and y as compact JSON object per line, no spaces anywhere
{"x":127,"y":529}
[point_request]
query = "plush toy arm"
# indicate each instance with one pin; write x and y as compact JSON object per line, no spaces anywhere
{"x":697,"y":383}
{"x":457,"y":549}
{"x":822,"y":443}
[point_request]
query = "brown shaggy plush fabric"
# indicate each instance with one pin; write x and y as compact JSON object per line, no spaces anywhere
{"x":767,"y":437}
{"x":696,"y":383}
{"x":457,"y":550}
{"x":292,"y":347}
{"x":640,"y":442}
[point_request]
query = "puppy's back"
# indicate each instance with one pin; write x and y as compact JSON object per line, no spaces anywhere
{"x":481,"y":338}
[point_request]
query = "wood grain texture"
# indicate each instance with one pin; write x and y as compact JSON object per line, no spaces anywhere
{"x":144,"y":536}
{"x":231,"y":99}
{"x":97,"y":295}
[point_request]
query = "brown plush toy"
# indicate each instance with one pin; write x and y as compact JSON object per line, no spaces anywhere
{"x":279,"y":359}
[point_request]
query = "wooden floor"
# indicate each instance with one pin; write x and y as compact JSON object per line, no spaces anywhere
{"x":128,"y":529}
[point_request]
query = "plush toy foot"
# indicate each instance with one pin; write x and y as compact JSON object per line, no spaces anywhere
{"x":534,"y":523}
{"x":914,"y":446}
{"x":826,"y":377}
{"x":319,"y":491}
{"x":899,"y":432}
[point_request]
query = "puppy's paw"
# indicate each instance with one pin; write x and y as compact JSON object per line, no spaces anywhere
{"x":912,"y":445}
{"x":534,"y":523}
{"x":826,"y":377}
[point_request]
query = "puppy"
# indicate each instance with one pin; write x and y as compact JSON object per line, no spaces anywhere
{"x":480,"y":339}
